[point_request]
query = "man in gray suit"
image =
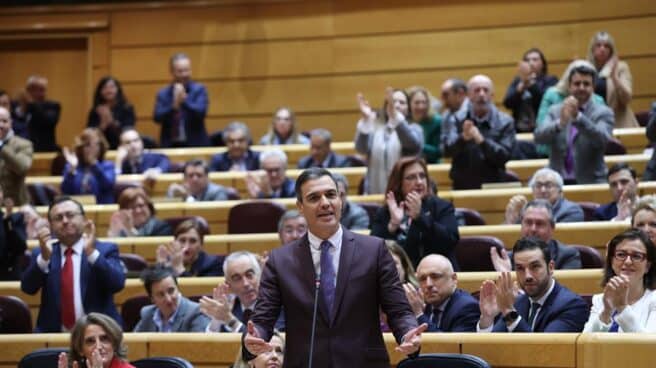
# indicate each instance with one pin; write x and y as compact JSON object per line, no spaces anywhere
{"x":578,"y":130}
{"x":170,"y":311}
{"x":197,"y":186}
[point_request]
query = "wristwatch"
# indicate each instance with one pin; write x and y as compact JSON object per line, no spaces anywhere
{"x":510,"y":317}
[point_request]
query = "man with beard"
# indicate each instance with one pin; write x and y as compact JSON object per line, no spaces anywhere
{"x":545,"y":305}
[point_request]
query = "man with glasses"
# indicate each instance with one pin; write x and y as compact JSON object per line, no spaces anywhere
{"x":75,"y":273}
{"x":273,"y":183}
{"x":545,"y":184}
{"x":292,"y":226}
{"x":239,"y":156}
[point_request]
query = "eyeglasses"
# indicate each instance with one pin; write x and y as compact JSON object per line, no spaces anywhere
{"x":546,"y":185}
{"x":415,"y":177}
{"x":638,"y":257}
{"x":68,"y":215}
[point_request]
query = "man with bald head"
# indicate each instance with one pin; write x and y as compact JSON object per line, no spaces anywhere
{"x":439,"y":303}
{"x":15,"y":161}
{"x":481,"y":142}
{"x":38,"y":114}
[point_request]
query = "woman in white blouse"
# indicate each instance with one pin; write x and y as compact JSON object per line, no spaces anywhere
{"x":628,"y":303}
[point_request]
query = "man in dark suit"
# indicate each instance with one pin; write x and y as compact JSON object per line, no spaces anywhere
{"x":354,"y":276}
{"x":441,"y":305}
{"x":273,"y":183}
{"x":545,"y":305}
{"x":132,"y":159}
{"x":170,"y":311}
{"x":76,"y":273}
{"x":239,"y":156}
{"x":38,"y":114}
{"x":181,"y":108}
{"x":321,"y":155}
{"x":623,"y":183}
{"x":12,"y":240}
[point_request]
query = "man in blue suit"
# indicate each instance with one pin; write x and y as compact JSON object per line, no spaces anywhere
{"x":239,"y":156}
{"x":131,"y":158}
{"x":441,"y":305}
{"x":181,"y":108}
{"x":545,"y":305}
{"x":623,"y":183}
{"x":76,"y":273}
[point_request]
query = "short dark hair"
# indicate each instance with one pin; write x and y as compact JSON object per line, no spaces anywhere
{"x":584,"y":70}
{"x":649,"y":278}
{"x":619,"y":167}
{"x":195,"y":163}
{"x":539,"y":203}
{"x":108,"y":324}
{"x":154,"y":274}
{"x":62,"y":199}
{"x":311,"y":174}
{"x":458,"y":84}
{"x":530,"y":243}
{"x":539,"y":52}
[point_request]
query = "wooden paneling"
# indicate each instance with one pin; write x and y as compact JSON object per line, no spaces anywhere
{"x":606,"y":350}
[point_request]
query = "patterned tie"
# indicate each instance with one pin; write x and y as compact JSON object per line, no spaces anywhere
{"x":531,"y":315}
{"x":328,"y":277}
{"x":67,"y":295}
{"x":614,"y":327}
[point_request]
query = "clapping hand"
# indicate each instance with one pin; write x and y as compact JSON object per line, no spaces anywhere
{"x":120,"y":221}
{"x":625,"y":204}
{"x":514,"y":208}
{"x":71,"y":159}
{"x":218,"y":306}
{"x":413,"y":205}
{"x":179,"y":95}
{"x":368,"y":114}
{"x":487,"y":302}
{"x":171,"y":255}
{"x":412,"y":340}
{"x":105,"y":115}
{"x":89,"y":236}
{"x":569,"y":110}
{"x":396,"y":210}
{"x":415,"y":298}
{"x":501,"y":263}
{"x":258,"y":183}
{"x":43,"y":234}
{"x":616,"y":293}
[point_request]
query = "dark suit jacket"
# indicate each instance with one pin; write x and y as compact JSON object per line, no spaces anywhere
{"x":149,"y":160}
{"x":41,"y":119}
{"x":366,"y":281}
{"x":99,"y":283}
{"x":238,"y":312}
{"x":563,"y":311}
{"x":461,"y":314}
{"x":12,"y":245}
{"x":605,"y":212}
{"x":334,"y":160}
{"x":287,"y":191}
{"x":101,"y":181}
{"x":206,"y":265}
{"x":434,"y":232}
{"x":188,"y":319}
{"x":193,"y":110}
{"x":223,"y":162}
{"x":123,"y":114}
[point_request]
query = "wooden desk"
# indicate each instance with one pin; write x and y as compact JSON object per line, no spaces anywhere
{"x":610,"y":350}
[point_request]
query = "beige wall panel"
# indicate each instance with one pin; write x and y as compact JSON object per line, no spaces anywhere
{"x":32,"y":22}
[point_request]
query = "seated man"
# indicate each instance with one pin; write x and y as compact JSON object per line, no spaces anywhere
{"x":440,"y":304}
{"x":242,"y":278}
{"x":239,"y":156}
{"x":537,"y":221}
{"x":197,"y":186}
{"x":170,"y":311}
{"x":544,"y":305}
{"x":321,"y":155}
{"x":132,"y":159}
{"x":292,"y":226}
{"x":72,"y":250}
{"x":623,"y":185}
{"x":185,"y":254}
{"x":354,"y":217}
{"x":15,"y":161}
{"x":546,"y":184}
{"x":274,"y":183}
{"x":12,"y":240}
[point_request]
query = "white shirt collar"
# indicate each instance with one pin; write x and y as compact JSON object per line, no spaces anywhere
{"x":335,"y":239}
{"x":78,"y":247}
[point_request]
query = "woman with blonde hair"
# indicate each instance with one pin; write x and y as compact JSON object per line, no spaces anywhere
{"x":614,"y":81}
{"x":421,"y":112}
{"x":284,"y":129}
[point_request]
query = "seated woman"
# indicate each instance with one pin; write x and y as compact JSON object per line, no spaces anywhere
{"x":385,"y":141}
{"x":628,"y":303}
{"x":421,"y":112}
{"x":86,"y":170}
{"x":96,"y":342}
{"x":284,"y":129}
{"x":136,"y":216}
{"x":185,"y":254}
{"x":418,"y":220}
{"x":403,"y":264}
{"x":271,"y":359}
{"x":111,"y":112}
{"x":644,"y":216}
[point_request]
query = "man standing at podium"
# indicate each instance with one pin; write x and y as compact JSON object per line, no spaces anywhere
{"x":352,"y":276}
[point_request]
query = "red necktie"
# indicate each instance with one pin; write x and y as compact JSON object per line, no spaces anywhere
{"x":67,"y":294}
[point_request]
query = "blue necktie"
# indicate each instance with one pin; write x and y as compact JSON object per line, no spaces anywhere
{"x":327,"y":276}
{"x":614,"y":327}
{"x":437,"y":317}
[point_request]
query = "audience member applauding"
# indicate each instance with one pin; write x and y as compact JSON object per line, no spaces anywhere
{"x":431,"y":122}
{"x":12,"y":240}
{"x":623,"y":184}
{"x":354,"y":216}
{"x":456,"y":102}
{"x":239,"y":156}
{"x":644,"y":216}
{"x":628,"y":303}
{"x":185,"y":254}
{"x":273,"y":182}
{"x":15,"y":160}
{"x":525,"y":92}
{"x":481,"y":142}
{"x":291,"y":226}
{"x":86,"y":170}
{"x":136,"y":216}
{"x":181,"y":107}
{"x":321,"y":155}
{"x":419,"y":221}
{"x":111,"y":112}
{"x":96,"y":342}
{"x":440,"y":303}
{"x":170,"y":311}
{"x":270,"y":359}
{"x":615,"y":83}
{"x":545,"y":184}
{"x":196,"y":186}
{"x":387,"y":138}
{"x":231,"y":313}
{"x":544,"y":306}
{"x":284,"y":129}
{"x":38,"y":114}
{"x":132,"y":159}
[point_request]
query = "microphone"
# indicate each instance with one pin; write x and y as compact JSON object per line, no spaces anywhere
{"x":317,"y":283}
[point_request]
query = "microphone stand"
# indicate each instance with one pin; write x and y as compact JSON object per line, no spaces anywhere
{"x":317,"y":282}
